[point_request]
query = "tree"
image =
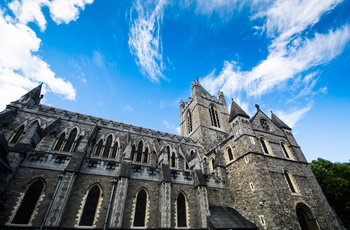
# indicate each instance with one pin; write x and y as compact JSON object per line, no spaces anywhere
{"x":334,"y":179}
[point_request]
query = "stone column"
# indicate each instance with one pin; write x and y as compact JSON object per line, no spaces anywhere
{"x":165,"y":205}
{"x":203,"y":205}
{"x":119,"y":203}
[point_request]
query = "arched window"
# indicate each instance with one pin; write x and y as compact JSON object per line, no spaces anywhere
{"x":59,"y":143}
{"x":107,"y":146}
{"x":115,"y":150}
{"x":214,"y":118}
{"x":139,"y":152}
{"x":229,"y":154}
{"x":140,"y":209}
{"x":76,"y":143}
{"x":173,"y":160}
{"x":265,"y":145}
{"x":290,"y":181}
{"x":132,"y":153}
{"x":211,"y":164}
{"x":305,"y":218}
{"x":189,"y":122}
{"x":145,"y":156}
{"x":29,"y":202}
{"x":286,"y":150}
{"x":18,"y":133}
{"x":181,"y":212}
{"x":98,"y":148}
{"x":90,"y":207}
{"x":70,"y":140}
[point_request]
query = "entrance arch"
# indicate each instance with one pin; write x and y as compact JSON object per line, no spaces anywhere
{"x":306,"y":219}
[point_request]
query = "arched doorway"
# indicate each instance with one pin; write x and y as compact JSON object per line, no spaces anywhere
{"x":305,"y":218}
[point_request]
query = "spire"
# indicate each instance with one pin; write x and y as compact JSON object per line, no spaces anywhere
{"x":33,"y":97}
{"x":280,"y":124}
{"x":236,"y":110}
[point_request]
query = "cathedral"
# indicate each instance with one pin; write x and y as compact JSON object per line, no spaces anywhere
{"x":227,"y":170}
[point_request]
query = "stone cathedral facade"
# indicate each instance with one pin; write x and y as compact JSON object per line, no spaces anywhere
{"x":64,"y":170}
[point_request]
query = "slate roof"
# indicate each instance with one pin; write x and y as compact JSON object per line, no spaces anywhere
{"x":236,"y":110}
{"x":280,"y":124}
{"x":228,"y":218}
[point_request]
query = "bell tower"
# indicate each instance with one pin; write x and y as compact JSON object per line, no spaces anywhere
{"x":204,"y":117}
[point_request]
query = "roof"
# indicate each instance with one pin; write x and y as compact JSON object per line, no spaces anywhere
{"x":236,"y":110}
{"x":280,"y":124}
{"x":228,"y":218}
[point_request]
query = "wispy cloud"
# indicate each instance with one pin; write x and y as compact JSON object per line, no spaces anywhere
{"x":293,"y":116}
{"x":128,"y":108}
{"x":145,"y":41}
{"x":172,"y":127}
{"x":291,"y":55}
{"x":20,"y":67}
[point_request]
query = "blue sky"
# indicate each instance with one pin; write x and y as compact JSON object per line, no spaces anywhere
{"x":133,"y":61}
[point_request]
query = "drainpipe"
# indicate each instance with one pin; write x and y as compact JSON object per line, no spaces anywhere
{"x":114,"y":181}
{"x":60,"y":177}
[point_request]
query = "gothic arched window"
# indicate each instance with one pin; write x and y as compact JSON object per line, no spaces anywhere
{"x":286,"y":150}
{"x":29,"y":202}
{"x":139,"y":152}
{"x":18,"y":133}
{"x":229,"y":154}
{"x":115,"y":150}
{"x":140,"y":209}
{"x":214,"y":118}
{"x":290,"y":181}
{"x":189,"y":122}
{"x":265,"y":145}
{"x":132,"y":152}
{"x":107,"y":146}
{"x":145,"y":156}
{"x":76,"y":143}
{"x":59,"y":143}
{"x":90,"y":206}
{"x":173,"y":160}
{"x":181,"y":212}
{"x":69,"y":143}
{"x":98,"y":148}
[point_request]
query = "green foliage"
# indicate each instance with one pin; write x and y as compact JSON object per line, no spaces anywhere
{"x":334,"y":179}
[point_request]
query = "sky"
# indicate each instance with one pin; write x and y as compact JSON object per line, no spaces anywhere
{"x":133,"y":61}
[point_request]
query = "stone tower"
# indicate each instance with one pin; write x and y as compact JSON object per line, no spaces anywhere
{"x":204,"y":117}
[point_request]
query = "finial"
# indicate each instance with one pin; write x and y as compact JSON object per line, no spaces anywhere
{"x":197,"y":79}
{"x":257,"y":106}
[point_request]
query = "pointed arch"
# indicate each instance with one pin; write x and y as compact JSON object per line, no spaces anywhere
{"x":306,"y":218}
{"x":76,"y":143}
{"x":29,"y":202}
{"x":211,"y":164}
{"x":286,"y":150}
{"x":91,"y":205}
{"x":59,"y":142}
{"x":214,"y":118}
{"x":115,"y":150}
{"x":133,"y":150}
{"x":145,"y":156}
{"x":230,"y":156}
{"x":173,"y":160}
{"x":189,"y":122}
{"x":98,"y":148}
{"x":17,"y":134}
{"x":70,"y":140}
{"x":108,"y":145}
{"x":181,"y":210}
{"x":140,"y":210}
{"x":265,"y":146}
{"x":139,"y":151}
{"x":290,"y":181}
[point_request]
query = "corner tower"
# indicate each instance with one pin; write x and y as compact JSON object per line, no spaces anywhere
{"x":204,"y":117}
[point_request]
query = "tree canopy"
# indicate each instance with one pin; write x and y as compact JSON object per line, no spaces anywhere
{"x":334,"y":179}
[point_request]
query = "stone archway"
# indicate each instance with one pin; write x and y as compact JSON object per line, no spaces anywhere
{"x":305,"y":218}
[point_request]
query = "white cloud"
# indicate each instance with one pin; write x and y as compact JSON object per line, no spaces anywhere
{"x":145,"y":42}
{"x":291,"y":55}
{"x":21,"y":69}
{"x":170,"y":126}
{"x":64,"y":11}
{"x":291,"y":118}
{"x":128,"y":108}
